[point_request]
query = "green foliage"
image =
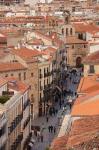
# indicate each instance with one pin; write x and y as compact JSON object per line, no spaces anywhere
{"x":4,"y":99}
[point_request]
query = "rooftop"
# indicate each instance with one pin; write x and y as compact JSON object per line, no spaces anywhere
{"x":2,"y":82}
{"x":74,"y":40}
{"x":85,"y":27}
{"x":26,"y":53}
{"x":16,"y":85}
{"x":13,"y":66}
{"x":84,"y":134}
{"x":92,"y":58}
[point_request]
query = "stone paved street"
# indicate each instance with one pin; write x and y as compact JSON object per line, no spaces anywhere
{"x":59,"y":121}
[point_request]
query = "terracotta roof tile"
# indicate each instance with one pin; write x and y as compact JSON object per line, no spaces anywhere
{"x":5,"y":67}
{"x":26,"y":53}
{"x":88,"y":84}
{"x":35,"y":42}
{"x":86,"y":107}
{"x":85,"y":27}
{"x":84,"y":134}
{"x":92,"y":58}
{"x":14,"y":84}
{"x":83,"y":131}
{"x":2,"y":81}
{"x":74,"y":40}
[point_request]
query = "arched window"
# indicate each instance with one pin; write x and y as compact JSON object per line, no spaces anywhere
{"x":62,"y":30}
{"x":66,"y":31}
{"x":71,"y":31}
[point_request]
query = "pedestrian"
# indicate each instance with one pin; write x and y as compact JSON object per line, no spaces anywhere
{"x":42,"y":138}
{"x":70,"y":78}
{"x":56,"y":111}
{"x":54,"y":130}
{"x":60,"y":104}
{"x":38,"y":137}
{"x":47,"y":119}
{"x":49,"y":128}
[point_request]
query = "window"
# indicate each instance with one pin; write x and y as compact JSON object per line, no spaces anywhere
{"x":44,"y":83}
{"x":44,"y":72}
{"x":91,"y":69}
{"x":71,"y":31}
{"x":40,"y":83}
{"x":72,"y":46}
{"x":6,"y":75}
{"x":47,"y":69}
{"x":47,"y":81}
{"x":12,"y":74}
{"x":30,"y":87}
{"x":32,"y":98}
{"x":62,"y":31}
{"x":85,"y":46}
{"x":40,"y":97}
{"x":39,"y":8}
{"x":19,"y":76}
{"x":24,"y":75}
{"x":40,"y":71}
{"x":32,"y":109}
{"x":49,"y":23}
{"x":31,"y":74}
{"x":66,"y":31}
{"x":49,"y":8}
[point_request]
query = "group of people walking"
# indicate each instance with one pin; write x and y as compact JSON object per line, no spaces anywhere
{"x":52,"y":129}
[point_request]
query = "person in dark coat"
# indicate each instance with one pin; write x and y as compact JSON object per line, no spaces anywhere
{"x":42,"y":138}
{"x":47,"y":119}
{"x":51,"y":128}
{"x":54,"y":129}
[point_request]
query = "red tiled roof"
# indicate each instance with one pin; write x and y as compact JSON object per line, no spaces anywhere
{"x":88,"y":84}
{"x":83,"y":131}
{"x":85,"y":27}
{"x":2,"y":81}
{"x":87,"y":107}
{"x":4,"y":67}
{"x":59,"y":143}
{"x":14,"y":84}
{"x":26,"y":53}
{"x":74,"y":40}
{"x":92,"y":58}
{"x":84,"y":134}
{"x":3,"y":53}
{"x":35,"y":42}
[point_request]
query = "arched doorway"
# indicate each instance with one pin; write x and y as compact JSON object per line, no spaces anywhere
{"x":78,"y":62}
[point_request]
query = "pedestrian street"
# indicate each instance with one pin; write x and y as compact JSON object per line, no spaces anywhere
{"x":56,"y":124}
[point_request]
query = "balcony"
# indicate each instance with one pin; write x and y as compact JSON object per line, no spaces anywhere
{"x":15,"y":122}
{"x":26,"y":122}
{"x":40,"y":76}
{"x":41,"y":88}
{"x":47,"y":74}
{"x":17,"y":141}
{"x":26,"y":104}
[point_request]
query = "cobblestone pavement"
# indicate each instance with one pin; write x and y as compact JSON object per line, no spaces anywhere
{"x":54,"y":121}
